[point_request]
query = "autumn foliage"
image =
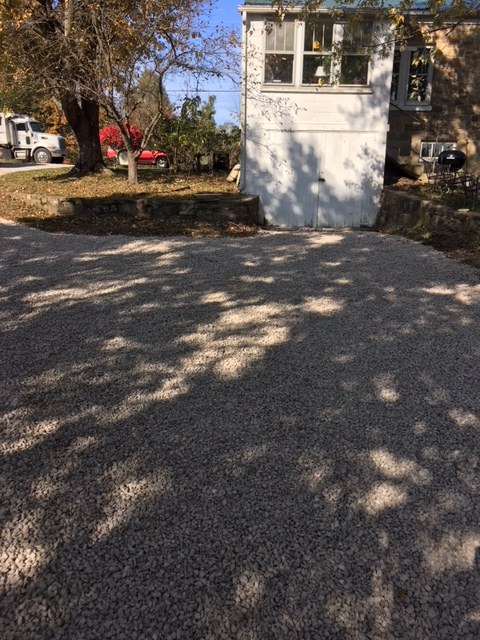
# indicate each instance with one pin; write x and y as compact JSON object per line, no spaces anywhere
{"x":111,"y":135}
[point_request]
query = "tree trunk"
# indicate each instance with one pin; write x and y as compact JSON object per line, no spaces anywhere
{"x":132,"y":167}
{"x":83,"y":117}
{"x":198,"y":166}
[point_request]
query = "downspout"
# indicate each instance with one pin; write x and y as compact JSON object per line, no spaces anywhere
{"x":243,"y":157}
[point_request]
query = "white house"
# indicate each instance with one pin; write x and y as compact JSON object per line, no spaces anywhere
{"x":315,"y":106}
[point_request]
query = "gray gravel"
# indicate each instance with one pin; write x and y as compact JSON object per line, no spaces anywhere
{"x":260,"y":438}
{"x":6,"y":168}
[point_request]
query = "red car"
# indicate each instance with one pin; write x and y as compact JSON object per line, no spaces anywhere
{"x":152,"y":158}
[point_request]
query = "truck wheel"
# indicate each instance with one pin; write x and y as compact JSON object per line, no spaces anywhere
{"x":42,"y":156}
{"x":122,"y":158}
{"x":161,"y":163}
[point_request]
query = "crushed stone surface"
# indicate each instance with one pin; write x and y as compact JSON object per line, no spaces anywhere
{"x":265,"y":438}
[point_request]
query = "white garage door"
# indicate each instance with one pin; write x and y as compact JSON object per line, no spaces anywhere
{"x":319,"y":179}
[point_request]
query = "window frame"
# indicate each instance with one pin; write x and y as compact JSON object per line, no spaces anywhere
{"x":268,"y":52}
{"x":354,"y":53}
{"x":403,"y":80}
{"x":306,"y":54}
{"x":436,"y":147}
{"x":300,"y":54}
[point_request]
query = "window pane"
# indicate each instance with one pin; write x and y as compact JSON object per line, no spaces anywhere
{"x":354,"y":70}
{"x":270,"y":43}
{"x":358,"y":36}
{"x":418,"y":76}
{"x":279,"y":68}
{"x":316,"y":70}
{"x":289,"y":28}
{"x":318,"y":37}
{"x":431,"y":150}
{"x":279,"y":39}
{"x":395,"y":75}
{"x":426,"y":150}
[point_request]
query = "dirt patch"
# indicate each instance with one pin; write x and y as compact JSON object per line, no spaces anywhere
{"x":462,"y":245}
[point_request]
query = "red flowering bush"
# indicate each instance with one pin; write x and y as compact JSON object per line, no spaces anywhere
{"x":111,"y":135}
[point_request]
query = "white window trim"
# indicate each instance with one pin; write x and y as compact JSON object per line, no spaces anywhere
{"x":401,"y":102}
{"x":292,"y":53}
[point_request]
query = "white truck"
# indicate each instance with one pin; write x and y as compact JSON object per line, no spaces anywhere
{"x":22,"y":138}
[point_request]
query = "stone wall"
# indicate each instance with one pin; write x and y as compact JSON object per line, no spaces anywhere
{"x":402,"y":209}
{"x":204,"y":207}
{"x":455,"y":104}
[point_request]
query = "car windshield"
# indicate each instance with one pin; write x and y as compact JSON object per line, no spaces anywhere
{"x":35,"y":127}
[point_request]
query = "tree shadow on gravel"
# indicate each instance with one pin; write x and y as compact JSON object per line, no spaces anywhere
{"x":273,"y":437}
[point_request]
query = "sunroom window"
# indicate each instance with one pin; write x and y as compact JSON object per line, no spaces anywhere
{"x":317,"y":55}
{"x":279,"y":53}
{"x":331,"y":53}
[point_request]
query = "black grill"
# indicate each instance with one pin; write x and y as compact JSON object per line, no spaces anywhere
{"x":453,"y":159}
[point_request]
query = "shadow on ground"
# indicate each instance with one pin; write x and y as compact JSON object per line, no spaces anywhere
{"x":274,"y":437}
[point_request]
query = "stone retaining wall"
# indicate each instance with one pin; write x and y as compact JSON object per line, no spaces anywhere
{"x":403,"y":209}
{"x":202,"y":207}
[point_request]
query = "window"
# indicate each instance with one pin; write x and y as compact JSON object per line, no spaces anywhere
{"x":412,"y":78}
{"x":429,"y":151}
{"x":395,"y":76}
{"x":317,"y":53}
{"x":355,"y":53}
{"x":333,"y":53}
{"x":418,"y":75}
{"x":279,"y":53}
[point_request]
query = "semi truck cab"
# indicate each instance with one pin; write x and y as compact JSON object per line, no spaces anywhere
{"x":22,"y":137}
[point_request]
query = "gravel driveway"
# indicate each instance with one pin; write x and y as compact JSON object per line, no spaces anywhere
{"x":267,"y":438}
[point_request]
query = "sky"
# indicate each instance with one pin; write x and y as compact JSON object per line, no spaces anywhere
{"x":227,"y":105}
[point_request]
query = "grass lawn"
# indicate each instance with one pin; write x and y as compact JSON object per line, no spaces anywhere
{"x":152,"y":184}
